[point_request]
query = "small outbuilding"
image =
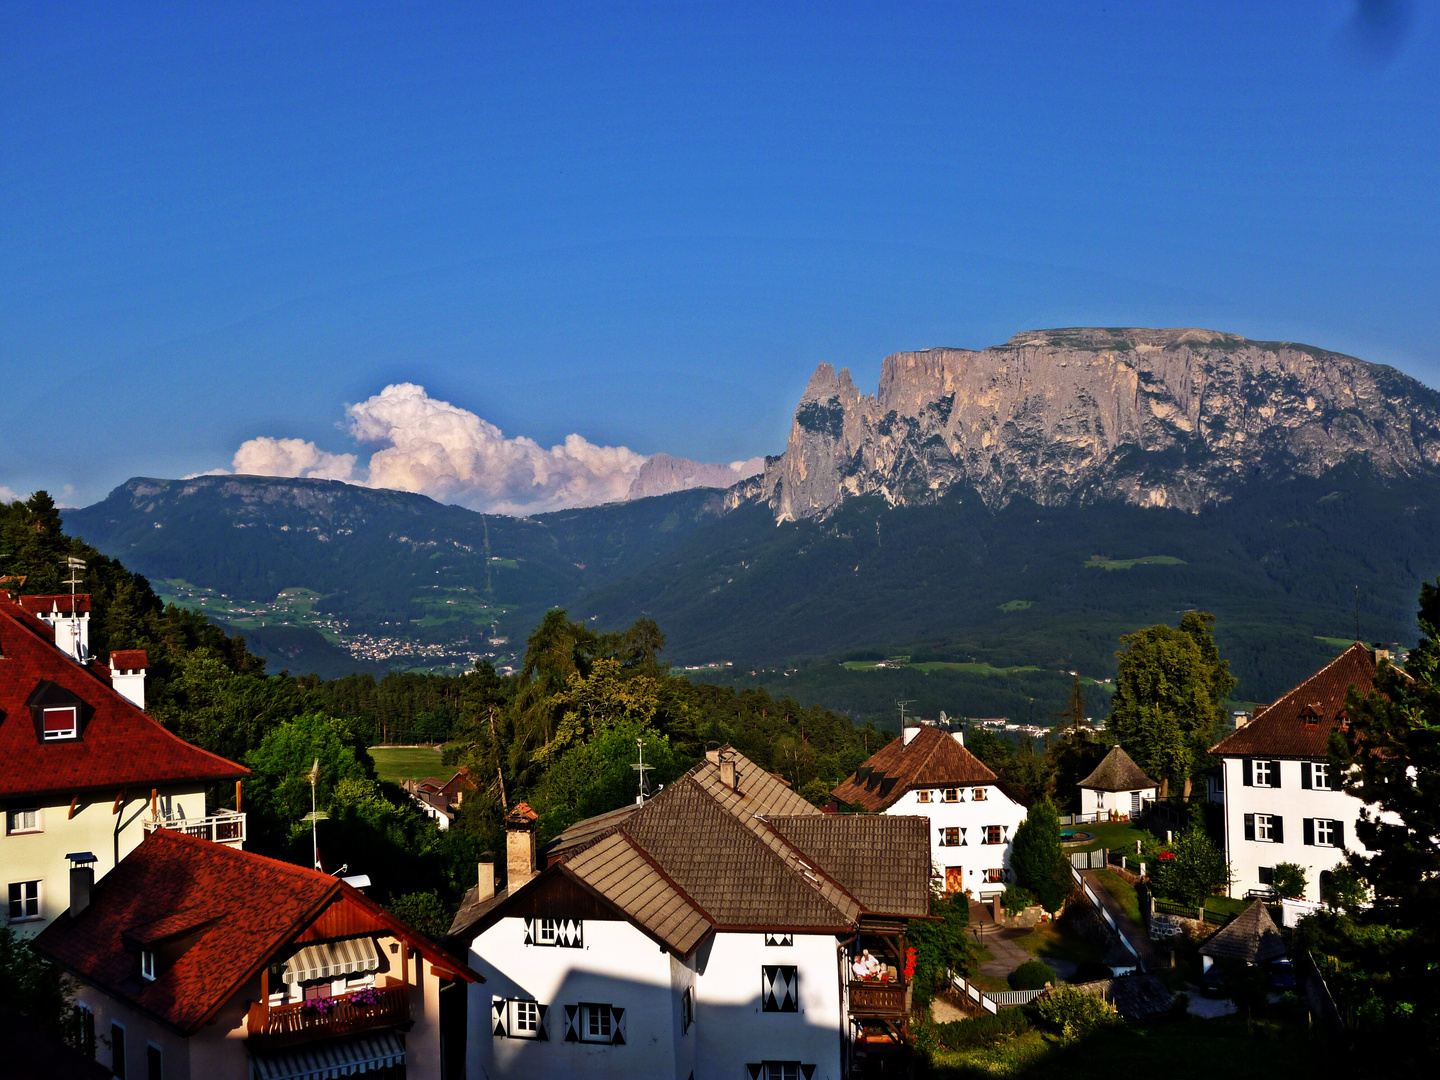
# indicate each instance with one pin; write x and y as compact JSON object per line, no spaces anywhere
{"x":1252,"y":938}
{"x":1117,"y":786}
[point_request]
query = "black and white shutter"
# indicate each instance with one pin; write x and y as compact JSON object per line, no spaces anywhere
{"x":963,"y":841}
{"x":500,"y":1008}
{"x":542,"y":1030}
{"x":529,"y":931}
{"x":779,"y":988}
{"x":617,"y":1025}
{"x":572,"y":1023}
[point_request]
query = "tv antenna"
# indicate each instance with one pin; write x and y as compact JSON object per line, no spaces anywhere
{"x":902,"y":704}
{"x":642,"y":769}
{"x":75,"y":567}
{"x":314,"y":817}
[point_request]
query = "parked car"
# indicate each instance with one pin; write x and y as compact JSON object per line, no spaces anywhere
{"x":1282,"y":975}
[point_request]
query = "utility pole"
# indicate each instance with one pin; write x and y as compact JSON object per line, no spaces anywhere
{"x":314,"y":839}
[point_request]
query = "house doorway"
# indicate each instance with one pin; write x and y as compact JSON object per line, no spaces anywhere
{"x":954,"y":879}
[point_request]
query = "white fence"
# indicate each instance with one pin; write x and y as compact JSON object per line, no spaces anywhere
{"x":1104,"y":913}
{"x":975,"y":994}
{"x":1089,"y":860}
{"x":1080,"y":819}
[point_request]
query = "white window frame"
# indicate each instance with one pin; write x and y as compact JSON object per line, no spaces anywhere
{"x":1262,"y":765}
{"x":781,"y":1070}
{"x":1325,"y":832}
{"x":1320,"y":776}
{"x":1264,"y":828}
{"x":147,"y":965}
{"x":600,"y":1016}
{"x":60,"y":734}
{"x":547,"y":931}
{"x":524,"y":1019}
{"x":38,"y":900}
{"x":13,"y":819}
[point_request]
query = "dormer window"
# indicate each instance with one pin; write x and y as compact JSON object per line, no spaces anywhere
{"x":60,"y":722}
{"x":147,"y":965}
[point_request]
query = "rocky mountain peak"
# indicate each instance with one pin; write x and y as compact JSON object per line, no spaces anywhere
{"x":1153,"y":417}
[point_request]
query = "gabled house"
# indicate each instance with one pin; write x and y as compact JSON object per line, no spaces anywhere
{"x":83,"y":769}
{"x":440,"y":800}
{"x":197,"y":960}
{"x":714,"y":931}
{"x":972,"y":817}
{"x":1282,"y":801}
{"x":1117,"y":787}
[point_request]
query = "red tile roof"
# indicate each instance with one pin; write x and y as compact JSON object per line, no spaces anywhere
{"x":119,"y":746}
{"x":931,"y":758}
{"x":129,"y":659}
{"x":1300,"y":723}
{"x":38,"y":605}
{"x":235,"y":909}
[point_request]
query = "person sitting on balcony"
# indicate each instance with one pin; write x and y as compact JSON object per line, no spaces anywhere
{"x":866,"y":966}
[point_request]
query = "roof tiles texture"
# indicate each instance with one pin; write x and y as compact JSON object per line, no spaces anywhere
{"x":119,"y":746}
{"x":1252,"y":937}
{"x":1118,"y":772}
{"x":932,"y":758}
{"x":882,"y":861}
{"x":1299,"y":724}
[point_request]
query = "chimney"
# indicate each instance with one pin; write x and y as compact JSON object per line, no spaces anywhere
{"x":487,"y":876}
{"x":82,"y":881}
{"x":910,"y":733}
{"x":958,"y":736}
{"x":727,"y":772}
{"x":1382,"y":651}
{"x":127,"y":675}
{"x":520,"y":861}
{"x":712,"y":756}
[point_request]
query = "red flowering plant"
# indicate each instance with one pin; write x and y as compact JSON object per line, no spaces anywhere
{"x":1166,"y":856}
{"x":909,"y":964}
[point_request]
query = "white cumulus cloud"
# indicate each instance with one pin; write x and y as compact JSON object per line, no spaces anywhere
{"x":438,"y":449}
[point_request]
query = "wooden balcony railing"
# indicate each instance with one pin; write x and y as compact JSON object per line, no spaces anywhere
{"x":280,"y":1024}
{"x":879,"y":1000}
{"x":226,"y":827}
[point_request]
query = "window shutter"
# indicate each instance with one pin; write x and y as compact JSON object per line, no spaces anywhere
{"x":501,"y":1008}
{"x":807,"y":1071}
{"x":1249,"y":821}
{"x":1277,"y":828}
{"x":617,"y":1018}
{"x":1305,"y":777}
{"x":572,"y":1023}
{"x":963,"y":841}
{"x":1274,"y":774}
{"x":529,"y":931}
{"x":542,"y":1033}
{"x":754,"y":1069}
{"x":1308,"y":827}
{"x":1337,"y":830}
{"x":1248,"y":771}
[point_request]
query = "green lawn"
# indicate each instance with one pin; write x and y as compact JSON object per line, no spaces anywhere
{"x":1225,"y":906}
{"x":1116,"y":835}
{"x":1049,"y":941}
{"x":406,"y":763}
{"x":1122,"y":891}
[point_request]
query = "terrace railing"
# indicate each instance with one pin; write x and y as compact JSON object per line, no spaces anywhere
{"x":225,"y":827}
{"x":871,"y":1000}
{"x":270,"y":1025}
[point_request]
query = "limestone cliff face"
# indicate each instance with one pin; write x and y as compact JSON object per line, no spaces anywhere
{"x":1149,"y":417}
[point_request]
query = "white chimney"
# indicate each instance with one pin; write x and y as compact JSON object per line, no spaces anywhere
{"x":72,"y":627}
{"x":487,"y":877}
{"x":82,"y":881}
{"x":127,"y":674}
{"x":958,"y":736}
{"x":910,"y":733}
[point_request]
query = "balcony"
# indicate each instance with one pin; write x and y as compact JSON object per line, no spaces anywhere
{"x":876,"y":1000}
{"x":279,"y":1025}
{"x":225,"y":827}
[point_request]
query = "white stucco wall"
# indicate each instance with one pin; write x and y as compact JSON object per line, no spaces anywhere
{"x":621,"y":966}
{"x":972,"y":857}
{"x":32,"y":856}
{"x":1094,"y":801}
{"x":1293,"y":804}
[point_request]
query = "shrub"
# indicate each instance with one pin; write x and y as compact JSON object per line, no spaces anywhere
{"x":981,"y":1030}
{"x":1032,"y":975}
{"x":1037,"y":858}
{"x":941,"y":945}
{"x":422,"y":912}
{"x":1289,"y":880}
{"x":1016,"y":898}
{"x":1075,"y":1013}
{"x":1190,"y":869}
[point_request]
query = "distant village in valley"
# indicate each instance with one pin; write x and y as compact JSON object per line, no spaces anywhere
{"x":596,"y":868}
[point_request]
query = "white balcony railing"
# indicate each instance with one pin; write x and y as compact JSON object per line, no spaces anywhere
{"x":225,"y":827}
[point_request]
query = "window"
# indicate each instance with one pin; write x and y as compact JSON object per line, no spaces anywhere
{"x":1267,"y":875}
{"x":1134,"y":803}
{"x":1265,"y":828}
{"x":1324,"y":832}
{"x":994,"y":875}
{"x":154,"y":1063}
{"x":687,"y":1011}
{"x":979,"y":795}
{"x":117,"y":1051}
{"x":922,"y":795}
{"x":991,"y":835}
{"x":952,"y":794}
{"x":779,"y":988}
{"x":595,"y":1023}
{"x":545,"y":931}
{"x":779,"y":939}
{"x":516,"y":1018}
{"x":561,"y":933}
{"x":950,"y":837}
{"x":22,"y":819}
{"x":24,"y":900}
{"x":1320,"y":775}
{"x":1261,"y":773}
{"x":59,"y":722}
{"x":147,"y":965}
{"x":780,"y":1070}
{"x":85,"y":1024}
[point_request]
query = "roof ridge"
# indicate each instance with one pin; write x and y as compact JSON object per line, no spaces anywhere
{"x":665,"y":876}
{"x":810,"y":861}
{"x":1309,"y":678}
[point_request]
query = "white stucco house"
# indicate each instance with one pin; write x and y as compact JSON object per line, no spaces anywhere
{"x":709,"y":933}
{"x":1282,"y":802}
{"x":1117,"y":787}
{"x":972,"y":817}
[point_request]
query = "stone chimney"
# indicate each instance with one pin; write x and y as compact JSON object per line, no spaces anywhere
{"x":487,"y":877}
{"x":82,"y":881}
{"x":712,"y":756}
{"x":127,"y":674}
{"x":1382,"y":651}
{"x":727,"y":772}
{"x":521,"y":863}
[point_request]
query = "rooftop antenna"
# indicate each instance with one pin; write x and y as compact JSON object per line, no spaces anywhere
{"x":76,"y":567}
{"x":902,"y":704}
{"x":642,"y":769}
{"x":314,"y":840}
{"x":1357,"y":612}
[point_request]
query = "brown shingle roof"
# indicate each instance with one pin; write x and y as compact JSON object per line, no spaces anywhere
{"x":1252,"y":937}
{"x":619,"y":871}
{"x":1300,"y":723}
{"x":931,"y":759}
{"x":1117,"y":772}
{"x":883,"y":861}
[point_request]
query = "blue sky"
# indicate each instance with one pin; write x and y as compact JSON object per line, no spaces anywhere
{"x":647,"y":223}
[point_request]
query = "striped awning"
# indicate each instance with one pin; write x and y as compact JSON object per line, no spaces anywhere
{"x":332,"y":958}
{"x":322,"y":1061}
